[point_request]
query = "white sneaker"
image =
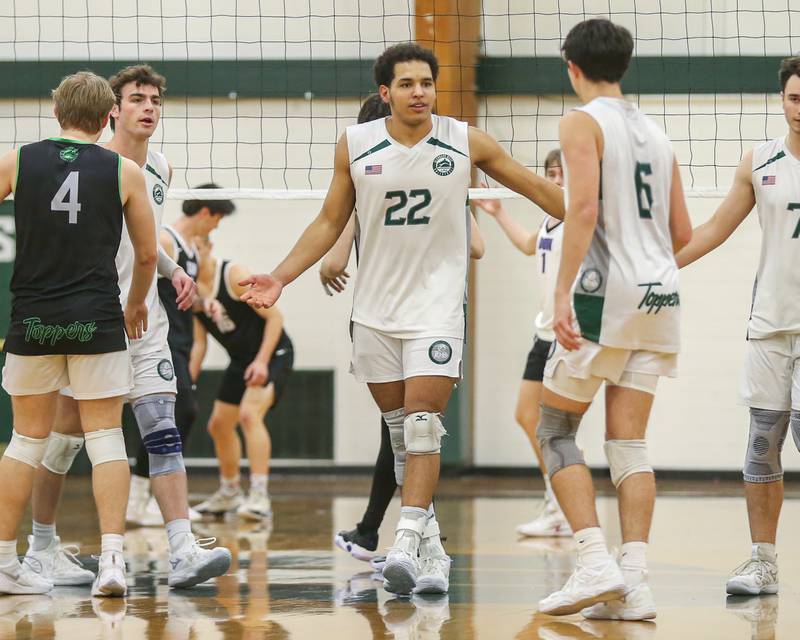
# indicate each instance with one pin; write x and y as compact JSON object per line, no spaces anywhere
{"x":193,"y":563}
{"x":637,"y":604}
{"x":22,"y":578}
{"x":150,"y":515}
{"x":110,"y":580}
{"x":584,"y":588}
{"x":256,"y":506}
{"x":194,"y":515}
{"x":550,"y":523}
{"x":378,"y":562}
{"x":221,"y":501}
{"x":137,"y":502}
{"x":400,"y":571}
{"x":754,"y":577}
{"x":434,"y":575}
{"x":60,"y":564}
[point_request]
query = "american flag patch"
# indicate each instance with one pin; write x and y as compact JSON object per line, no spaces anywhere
{"x":767,"y":180}
{"x":373,"y":170}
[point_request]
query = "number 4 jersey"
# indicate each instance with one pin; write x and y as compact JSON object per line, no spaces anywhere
{"x":413,"y":227}
{"x":68,"y":214}
{"x":626,"y":295}
{"x":776,"y":184}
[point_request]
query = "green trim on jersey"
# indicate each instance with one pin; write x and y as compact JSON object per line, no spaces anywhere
{"x":70,"y":140}
{"x":149,"y":168}
{"x":589,"y":313}
{"x":439,"y":143}
{"x":381,"y":145}
{"x":774,"y":158}
{"x":119,"y":179}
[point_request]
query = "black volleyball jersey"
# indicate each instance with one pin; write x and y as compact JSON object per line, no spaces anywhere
{"x":238,"y":328}
{"x":181,"y":328}
{"x":68,"y":213}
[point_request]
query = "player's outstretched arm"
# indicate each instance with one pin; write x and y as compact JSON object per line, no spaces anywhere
{"x":333,"y":268}
{"x":519,"y":235}
{"x":198,"y":352}
{"x":317,"y":239}
{"x":477,"y":247}
{"x":8,"y":173}
{"x":581,"y":141}
{"x":680,"y":226}
{"x":487,"y":154}
{"x":734,"y":208}
{"x":142,"y":231}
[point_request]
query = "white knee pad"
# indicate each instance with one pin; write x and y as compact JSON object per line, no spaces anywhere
{"x":422,"y":433}
{"x":626,"y":457}
{"x":61,"y":452}
{"x":25,"y":449}
{"x":106,"y":445}
{"x":394,"y":420}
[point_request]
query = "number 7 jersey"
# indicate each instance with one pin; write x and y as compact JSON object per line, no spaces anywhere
{"x":413,"y":228}
{"x":776,"y":185}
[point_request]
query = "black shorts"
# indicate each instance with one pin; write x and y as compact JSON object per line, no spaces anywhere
{"x":180,"y":363}
{"x":233,"y":385}
{"x":537,"y":358}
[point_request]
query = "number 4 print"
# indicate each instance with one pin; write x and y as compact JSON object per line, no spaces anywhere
{"x":66,"y":198}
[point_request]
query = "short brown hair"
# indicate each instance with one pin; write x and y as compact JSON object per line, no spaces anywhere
{"x":82,"y":101}
{"x":553,"y":158}
{"x":140,"y":74}
{"x":789,"y":67}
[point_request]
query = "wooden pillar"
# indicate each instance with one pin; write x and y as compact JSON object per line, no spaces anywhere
{"x":451,"y":28}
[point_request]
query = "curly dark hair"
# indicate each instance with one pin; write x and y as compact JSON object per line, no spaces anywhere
{"x":383,"y":70}
{"x":600,"y":48}
{"x":789,"y":67}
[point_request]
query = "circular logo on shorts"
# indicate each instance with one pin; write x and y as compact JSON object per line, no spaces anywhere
{"x":591,"y":280}
{"x":440,"y":352}
{"x":443,"y":164}
{"x":68,"y":154}
{"x":165,"y":370}
{"x":158,"y":194}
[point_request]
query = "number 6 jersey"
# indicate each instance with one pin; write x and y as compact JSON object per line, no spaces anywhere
{"x":68,"y":214}
{"x":626,"y":295}
{"x":413,"y":228}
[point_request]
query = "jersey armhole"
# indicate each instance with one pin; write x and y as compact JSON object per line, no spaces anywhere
{"x":16,"y":172}
{"x":119,"y":179}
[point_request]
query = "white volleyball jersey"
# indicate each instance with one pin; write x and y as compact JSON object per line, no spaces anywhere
{"x":626,"y":295}
{"x":776,"y":184}
{"x":548,"y":258}
{"x":156,"y":176}
{"x":412,"y":232}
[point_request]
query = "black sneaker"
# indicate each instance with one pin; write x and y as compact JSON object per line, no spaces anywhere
{"x":359,"y":544}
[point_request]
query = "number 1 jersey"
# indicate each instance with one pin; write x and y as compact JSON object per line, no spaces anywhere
{"x":68,"y":214}
{"x":413,"y":229}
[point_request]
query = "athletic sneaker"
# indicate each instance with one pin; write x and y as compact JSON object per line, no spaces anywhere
{"x":378,"y":562}
{"x":400,"y":571}
{"x":151,"y":516}
{"x":221,"y":501}
{"x":137,"y":503}
{"x":23,"y":578}
{"x":60,"y":564}
{"x":359,"y":544}
{"x":637,"y":604}
{"x":434,"y":575}
{"x":193,"y":563}
{"x":584,"y":588}
{"x":110,"y":580}
{"x":551,"y":522}
{"x":256,"y":506}
{"x":754,"y":577}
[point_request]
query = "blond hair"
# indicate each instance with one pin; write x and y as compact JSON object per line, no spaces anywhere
{"x":82,"y":101}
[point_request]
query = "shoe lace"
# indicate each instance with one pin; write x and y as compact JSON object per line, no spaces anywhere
{"x":68,"y":553}
{"x":754,"y":566}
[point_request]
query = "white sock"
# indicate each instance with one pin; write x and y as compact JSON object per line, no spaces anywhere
{"x":408,"y":539}
{"x":43,"y":535}
{"x":633,"y":561}
{"x":111,"y":543}
{"x":592,"y":550}
{"x":258,"y":482}
{"x":178,"y":532}
{"x":229,"y":485}
{"x":8,"y":552}
{"x":765,"y":551}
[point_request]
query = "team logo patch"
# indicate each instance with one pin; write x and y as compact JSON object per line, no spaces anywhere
{"x":440,"y":352}
{"x":165,"y":370}
{"x":68,"y":154}
{"x":158,"y":194}
{"x":443,"y":165}
{"x":591,"y":280}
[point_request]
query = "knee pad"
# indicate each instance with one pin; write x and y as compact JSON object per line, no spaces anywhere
{"x":61,"y":452}
{"x":422,"y":433}
{"x":556,"y":436}
{"x":626,"y":457}
{"x":394,"y":420}
{"x":25,"y":449}
{"x":106,"y":445}
{"x":762,"y":462}
{"x":155,"y":415}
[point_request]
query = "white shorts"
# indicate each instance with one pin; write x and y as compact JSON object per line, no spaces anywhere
{"x":578,"y":374}
{"x":91,"y":377}
{"x":381,"y":358}
{"x":152,"y":373}
{"x":771,"y":377}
